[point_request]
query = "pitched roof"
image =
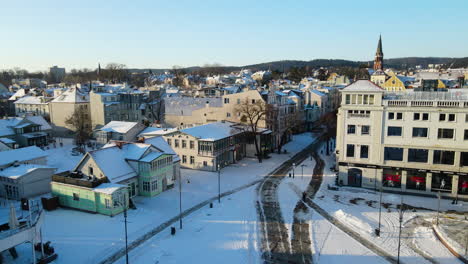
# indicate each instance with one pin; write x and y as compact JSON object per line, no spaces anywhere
{"x":112,"y":159}
{"x":30,"y":100}
{"x":72,"y":95}
{"x":363,"y":86}
{"x":112,"y":162}
{"x":118,"y":126}
{"x":7,"y":124}
{"x":21,"y":154}
{"x":212,"y":131}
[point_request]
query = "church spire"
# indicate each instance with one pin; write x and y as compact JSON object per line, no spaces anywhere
{"x":379,"y":47}
{"x":378,"y":62}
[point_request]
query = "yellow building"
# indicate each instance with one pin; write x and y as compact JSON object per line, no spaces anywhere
{"x":441,"y":84}
{"x":394,"y":84}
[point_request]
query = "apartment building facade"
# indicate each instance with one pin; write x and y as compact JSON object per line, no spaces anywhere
{"x":121,"y":106}
{"x":415,"y":142}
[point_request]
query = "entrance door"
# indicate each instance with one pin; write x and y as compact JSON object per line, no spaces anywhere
{"x":164,"y":183}
{"x":354,"y":177}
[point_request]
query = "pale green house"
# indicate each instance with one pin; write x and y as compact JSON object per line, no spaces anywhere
{"x":106,"y":179}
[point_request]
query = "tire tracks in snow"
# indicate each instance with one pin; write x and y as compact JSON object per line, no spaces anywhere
{"x":275,"y":242}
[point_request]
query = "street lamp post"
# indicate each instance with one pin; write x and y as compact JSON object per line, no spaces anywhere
{"x":219,"y":183}
{"x":180,"y":201}
{"x":438,"y":207}
{"x":126,"y":236}
{"x":380,"y":211}
{"x":399,"y":233}
{"x":294,"y":166}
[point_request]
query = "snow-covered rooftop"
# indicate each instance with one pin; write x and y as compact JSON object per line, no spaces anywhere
{"x":363,"y":86}
{"x":7,"y":125}
{"x":40,"y":121}
{"x":7,"y":140}
{"x":72,"y":95}
{"x":31,"y":100}
{"x":119,"y":126}
{"x":112,"y":158}
{"x":21,"y":170}
{"x":212,"y":131}
{"x":108,"y":188}
{"x":317,"y":92}
{"x":156,"y":131}
{"x":21,"y":154}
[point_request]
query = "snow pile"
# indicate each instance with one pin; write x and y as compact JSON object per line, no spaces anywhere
{"x":452,"y":243}
{"x":359,"y":225}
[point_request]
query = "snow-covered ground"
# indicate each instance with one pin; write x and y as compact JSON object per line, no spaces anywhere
{"x":359,"y":209}
{"x":98,"y":236}
{"x":226,"y":233}
{"x":290,"y":191}
{"x":329,"y":244}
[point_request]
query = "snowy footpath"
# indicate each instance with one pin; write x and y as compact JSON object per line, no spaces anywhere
{"x":80,"y":237}
{"x":359,"y":209}
{"x":226,"y":233}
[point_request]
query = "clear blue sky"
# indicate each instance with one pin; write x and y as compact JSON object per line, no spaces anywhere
{"x":158,"y":34}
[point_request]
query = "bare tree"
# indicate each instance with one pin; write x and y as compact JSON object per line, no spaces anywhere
{"x":116,"y":72}
{"x":80,"y":122}
{"x":292,"y":121}
{"x":178,"y":73}
{"x":251,"y":114}
{"x":328,"y":120}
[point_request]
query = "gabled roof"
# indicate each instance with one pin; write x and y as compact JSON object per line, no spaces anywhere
{"x":118,"y":126}
{"x":7,"y":125}
{"x":113,"y":159}
{"x":21,"y":154}
{"x":39,"y":120}
{"x":363,"y":86}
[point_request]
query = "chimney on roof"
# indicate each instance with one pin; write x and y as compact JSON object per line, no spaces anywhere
{"x":119,"y":144}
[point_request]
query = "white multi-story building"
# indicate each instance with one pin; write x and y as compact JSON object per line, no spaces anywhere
{"x":409,"y":141}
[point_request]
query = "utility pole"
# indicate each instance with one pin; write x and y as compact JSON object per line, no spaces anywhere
{"x":294,"y":166}
{"x":399,"y":233}
{"x":219,"y":183}
{"x":438,"y":207}
{"x":180,"y":201}
{"x":377,"y":232}
{"x":126,"y":237}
